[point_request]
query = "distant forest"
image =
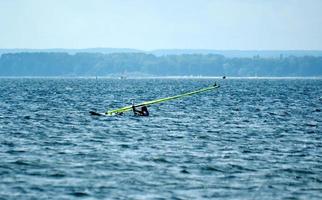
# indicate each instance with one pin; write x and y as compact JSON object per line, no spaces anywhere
{"x":98,"y":64}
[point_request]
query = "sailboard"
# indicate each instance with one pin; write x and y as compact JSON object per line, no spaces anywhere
{"x":148,"y":103}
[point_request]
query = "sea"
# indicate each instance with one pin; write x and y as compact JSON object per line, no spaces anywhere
{"x":258,"y":138}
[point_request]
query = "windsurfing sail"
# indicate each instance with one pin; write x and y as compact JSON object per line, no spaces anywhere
{"x":147,"y":103}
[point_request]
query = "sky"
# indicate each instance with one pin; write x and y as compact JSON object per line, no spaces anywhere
{"x":162,"y":24}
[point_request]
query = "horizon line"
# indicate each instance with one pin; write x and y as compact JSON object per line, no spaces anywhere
{"x":158,"y":49}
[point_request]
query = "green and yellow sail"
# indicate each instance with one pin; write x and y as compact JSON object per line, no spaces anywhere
{"x":147,"y":103}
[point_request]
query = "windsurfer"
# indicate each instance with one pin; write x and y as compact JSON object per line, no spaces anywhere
{"x":143,"y":112}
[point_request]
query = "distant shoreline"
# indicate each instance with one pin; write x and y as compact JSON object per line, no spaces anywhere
{"x":233,"y":53}
{"x":153,"y":77}
{"x":129,"y":65}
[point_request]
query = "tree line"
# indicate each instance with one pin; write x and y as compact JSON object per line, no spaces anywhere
{"x":98,"y":64}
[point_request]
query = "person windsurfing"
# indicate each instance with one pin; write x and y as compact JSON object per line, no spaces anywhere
{"x":143,"y":112}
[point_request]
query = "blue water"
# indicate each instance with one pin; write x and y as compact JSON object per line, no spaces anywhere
{"x":251,"y":139}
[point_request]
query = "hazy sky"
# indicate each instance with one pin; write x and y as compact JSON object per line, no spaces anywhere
{"x":155,"y":24}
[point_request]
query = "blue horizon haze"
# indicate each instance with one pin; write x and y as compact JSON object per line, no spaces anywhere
{"x":147,"y":25}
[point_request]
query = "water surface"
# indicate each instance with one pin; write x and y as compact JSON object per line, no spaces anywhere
{"x":251,"y":139}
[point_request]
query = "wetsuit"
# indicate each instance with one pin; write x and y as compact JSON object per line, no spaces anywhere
{"x":143,"y":112}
